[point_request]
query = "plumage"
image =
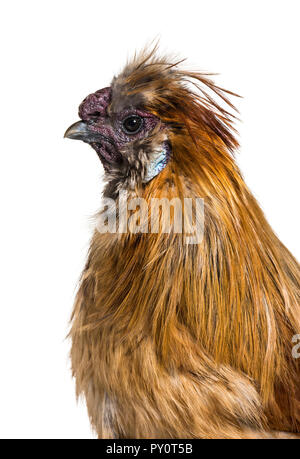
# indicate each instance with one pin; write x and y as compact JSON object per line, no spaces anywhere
{"x":171,"y":340}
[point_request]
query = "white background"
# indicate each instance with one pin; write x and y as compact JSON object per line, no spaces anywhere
{"x":53,"y":54}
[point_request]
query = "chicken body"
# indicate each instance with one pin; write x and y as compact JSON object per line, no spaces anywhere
{"x":171,"y":340}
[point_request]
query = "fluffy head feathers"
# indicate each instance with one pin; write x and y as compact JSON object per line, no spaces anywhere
{"x":159,"y":95}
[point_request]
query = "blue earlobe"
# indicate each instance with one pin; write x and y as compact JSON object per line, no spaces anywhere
{"x":158,"y":163}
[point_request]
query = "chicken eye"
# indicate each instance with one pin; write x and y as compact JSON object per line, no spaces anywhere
{"x":132,"y":124}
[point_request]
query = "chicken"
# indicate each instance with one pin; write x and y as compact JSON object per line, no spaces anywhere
{"x":173,"y":339}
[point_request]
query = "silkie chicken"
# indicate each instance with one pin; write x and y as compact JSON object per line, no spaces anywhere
{"x":175,"y":340}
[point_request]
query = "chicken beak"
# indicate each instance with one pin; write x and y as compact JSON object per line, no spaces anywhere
{"x":78,"y":131}
{"x":104,"y":146}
